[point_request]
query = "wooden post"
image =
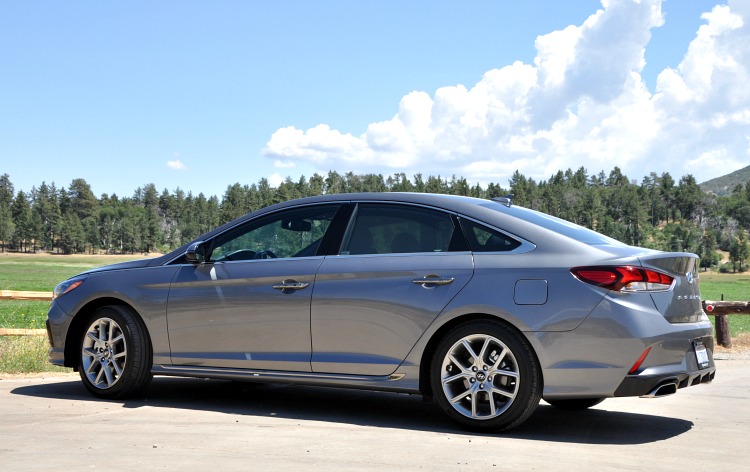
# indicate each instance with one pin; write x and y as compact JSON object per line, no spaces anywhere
{"x":723,"y":336}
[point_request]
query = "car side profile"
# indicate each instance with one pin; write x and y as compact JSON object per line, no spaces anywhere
{"x":484,"y":306}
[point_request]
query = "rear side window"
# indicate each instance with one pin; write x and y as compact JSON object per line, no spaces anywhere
{"x":394,"y":229}
{"x":484,"y":239}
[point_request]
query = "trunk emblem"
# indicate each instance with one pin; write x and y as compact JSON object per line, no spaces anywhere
{"x":689,"y":276}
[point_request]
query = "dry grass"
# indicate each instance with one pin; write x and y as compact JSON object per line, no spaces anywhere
{"x":25,"y":354}
{"x":740,"y":343}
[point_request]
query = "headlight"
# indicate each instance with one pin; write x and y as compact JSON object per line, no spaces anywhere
{"x":67,"y":286}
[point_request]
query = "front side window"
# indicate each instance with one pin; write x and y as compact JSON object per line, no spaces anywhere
{"x":394,"y":229}
{"x":290,"y":233}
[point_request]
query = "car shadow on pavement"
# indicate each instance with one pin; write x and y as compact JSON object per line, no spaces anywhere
{"x":375,"y":409}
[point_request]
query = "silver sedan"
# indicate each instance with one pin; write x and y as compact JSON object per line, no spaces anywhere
{"x":483,"y":306}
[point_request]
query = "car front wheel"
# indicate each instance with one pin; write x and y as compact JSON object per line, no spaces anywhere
{"x":115,"y":354}
{"x":485,"y":377}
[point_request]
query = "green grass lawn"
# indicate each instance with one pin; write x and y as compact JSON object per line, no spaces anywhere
{"x":39,"y":273}
{"x":42,"y":272}
{"x":734,"y":287}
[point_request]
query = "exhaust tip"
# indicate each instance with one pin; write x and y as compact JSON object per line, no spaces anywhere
{"x":662,"y":390}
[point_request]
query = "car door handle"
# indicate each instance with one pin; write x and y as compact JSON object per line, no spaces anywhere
{"x":431,"y":281}
{"x":290,"y":285}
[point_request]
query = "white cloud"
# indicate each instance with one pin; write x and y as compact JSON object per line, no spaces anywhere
{"x":176,"y":165}
{"x":283,"y":164}
{"x":583,"y":102}
{"x":274,"y":180}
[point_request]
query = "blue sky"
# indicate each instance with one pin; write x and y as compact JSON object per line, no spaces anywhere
{"x":201,"y":95}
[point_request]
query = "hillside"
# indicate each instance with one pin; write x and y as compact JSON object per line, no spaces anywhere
{"x":723,"y":185}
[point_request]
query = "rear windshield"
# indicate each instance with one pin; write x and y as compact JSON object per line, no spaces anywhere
{"x":566,"y":228}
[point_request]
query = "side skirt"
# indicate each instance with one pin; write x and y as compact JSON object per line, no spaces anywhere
{"x":397,"y":382}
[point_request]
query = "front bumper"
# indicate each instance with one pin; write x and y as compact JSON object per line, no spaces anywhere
{"x":57,"y":324}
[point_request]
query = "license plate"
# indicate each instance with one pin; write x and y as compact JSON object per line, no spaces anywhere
{"x":701,"y":355}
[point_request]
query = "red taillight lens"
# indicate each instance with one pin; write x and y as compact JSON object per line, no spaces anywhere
{"x":624,"y":278}
{"x":638,"y":363}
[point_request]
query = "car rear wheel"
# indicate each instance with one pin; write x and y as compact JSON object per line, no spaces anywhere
{"x":485,"y":377}
{"x":115,"y":355}
{"x":575,"y":403}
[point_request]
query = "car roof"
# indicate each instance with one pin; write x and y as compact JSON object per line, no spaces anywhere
{"x":515,"y":220}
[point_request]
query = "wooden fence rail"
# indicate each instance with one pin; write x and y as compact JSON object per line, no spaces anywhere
{"x":17,"y":295}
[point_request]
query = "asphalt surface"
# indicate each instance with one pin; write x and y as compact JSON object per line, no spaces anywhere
{"x":187,"y":424}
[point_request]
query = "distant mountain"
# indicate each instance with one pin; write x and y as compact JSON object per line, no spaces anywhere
{"x":724,"y":185}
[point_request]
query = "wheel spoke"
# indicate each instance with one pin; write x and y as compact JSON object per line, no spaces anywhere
{"x":460,"y":396}
{"x":454,"y":377}
{"x":506,"y":373}
{"x":510,"y":395}
{"x":493,"y":409}
{"x":467,"y":346}
{"x":98,"y":378}
{"x":456,"y":361}
{"x":92,"y":367}
{"x":87,"y":351}
{"x":108,"y":373}
{"x":483,"y":351}
{"x":500,"y":358}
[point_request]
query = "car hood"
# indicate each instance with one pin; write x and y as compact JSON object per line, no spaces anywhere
{"x":137,"y":264}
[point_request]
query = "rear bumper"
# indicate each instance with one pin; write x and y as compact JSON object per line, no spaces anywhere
{"x":640,"y":386}
{"x":686,"y":373}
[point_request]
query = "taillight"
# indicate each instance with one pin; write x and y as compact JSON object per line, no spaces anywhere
{"x":638,"y":363}
{"x":624,"y":278}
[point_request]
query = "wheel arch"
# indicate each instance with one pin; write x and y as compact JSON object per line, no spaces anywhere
{"x":425,"y":387}
{"x":78,"y":324}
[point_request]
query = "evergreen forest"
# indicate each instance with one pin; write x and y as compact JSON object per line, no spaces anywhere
{"x":658,"y":212}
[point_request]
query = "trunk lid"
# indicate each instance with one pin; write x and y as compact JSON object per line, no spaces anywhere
{"x":681,"y":304}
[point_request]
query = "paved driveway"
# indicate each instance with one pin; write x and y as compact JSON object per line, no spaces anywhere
{"x":186,"y":424}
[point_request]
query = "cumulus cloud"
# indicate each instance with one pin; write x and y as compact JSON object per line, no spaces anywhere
{"x":274,"y":180}
{"x":582,"y":102}
{"x":176,"y":165}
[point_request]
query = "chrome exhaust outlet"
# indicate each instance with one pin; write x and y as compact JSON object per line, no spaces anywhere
{"x":662,"y":390}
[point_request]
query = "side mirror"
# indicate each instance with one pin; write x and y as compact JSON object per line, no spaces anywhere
{"x":196,"y":253}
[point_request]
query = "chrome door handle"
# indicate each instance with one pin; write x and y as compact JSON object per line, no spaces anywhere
{"x":290,"y":285}
{"x":431,"y":281}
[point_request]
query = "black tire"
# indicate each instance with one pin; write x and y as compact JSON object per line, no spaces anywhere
{"x":575,"y":403}
{"x":490,"y":373}
{"x":114,"y":359}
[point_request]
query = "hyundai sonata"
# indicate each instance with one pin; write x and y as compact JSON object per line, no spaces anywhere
{"x":483,"y":306}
